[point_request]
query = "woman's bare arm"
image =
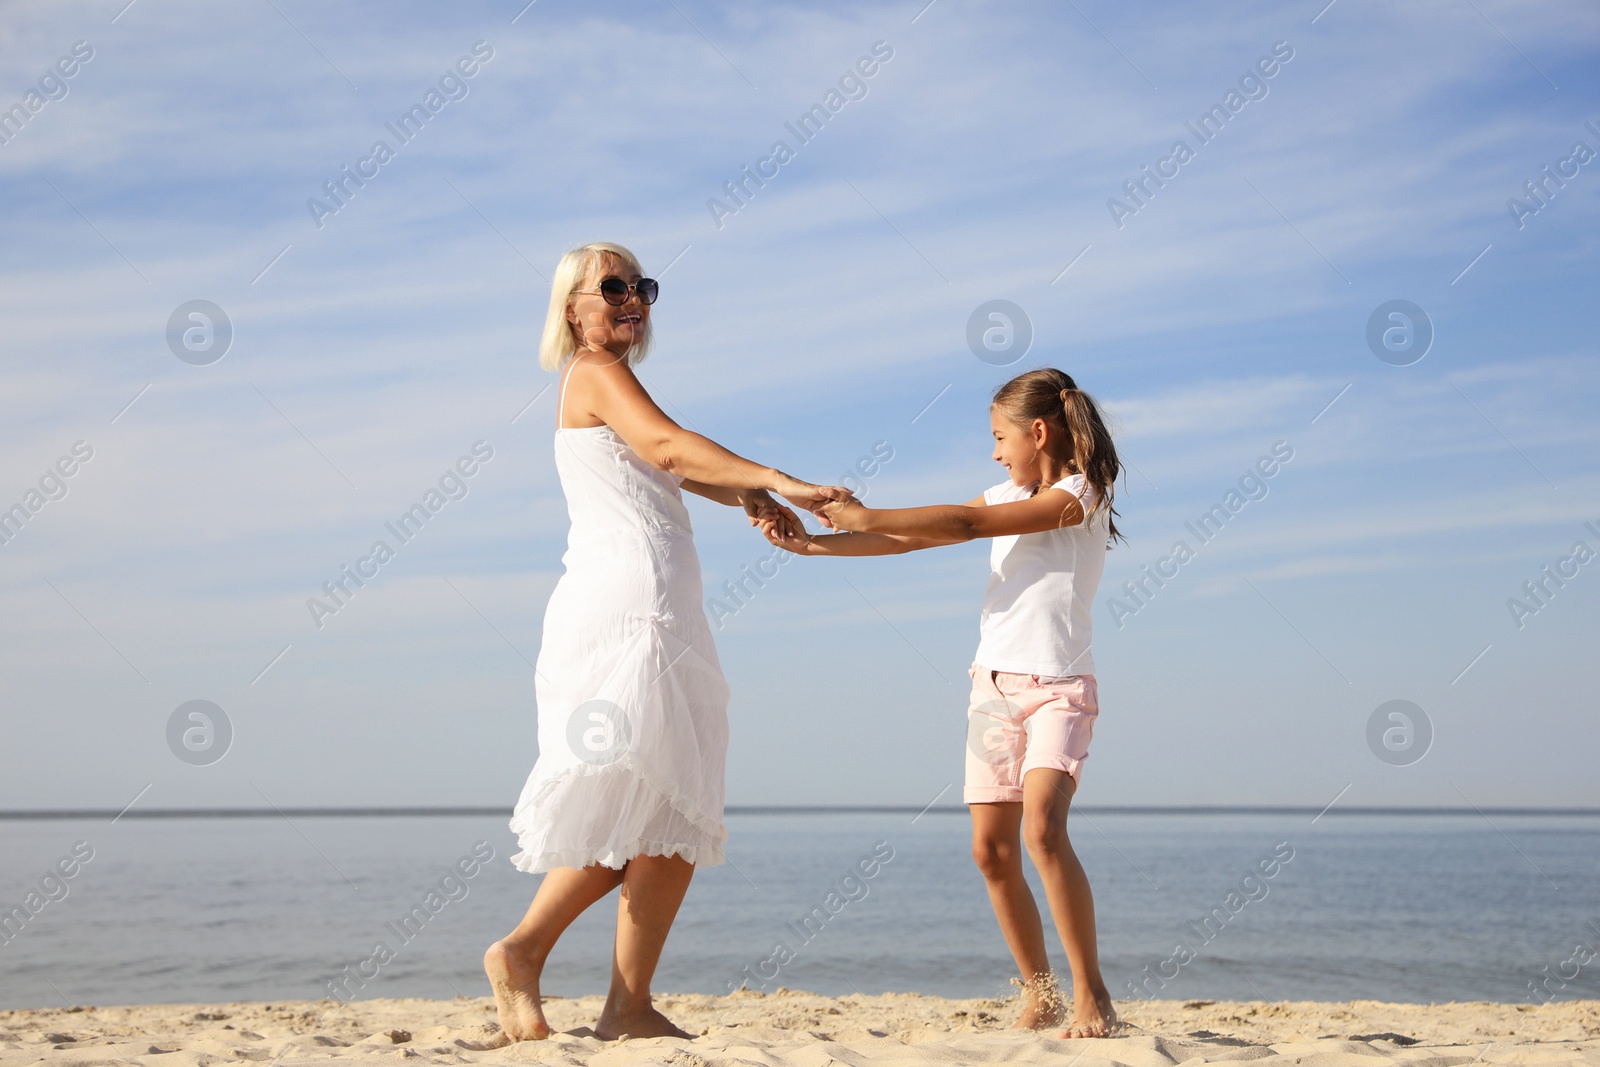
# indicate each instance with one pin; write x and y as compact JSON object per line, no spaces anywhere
{"x":606,"y":389}
{"x":722,"y":494}
{"x":757,"y":504}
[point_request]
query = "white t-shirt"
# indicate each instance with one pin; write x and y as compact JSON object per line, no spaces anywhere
{"x":1041,"y":587}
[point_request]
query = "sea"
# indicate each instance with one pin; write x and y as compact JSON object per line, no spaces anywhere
{"x":1191,"y":905}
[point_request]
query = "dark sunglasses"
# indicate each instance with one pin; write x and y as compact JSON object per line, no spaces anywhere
{"x":615,"y":290}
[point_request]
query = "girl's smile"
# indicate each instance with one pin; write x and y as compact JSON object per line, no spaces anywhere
{"x":1019,"y":451}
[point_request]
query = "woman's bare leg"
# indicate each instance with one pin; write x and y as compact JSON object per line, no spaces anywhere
{"x":997,"y":850}
{"x":1046,"y":796}
{"x":652,"y":889}
{"x":515,"y":962}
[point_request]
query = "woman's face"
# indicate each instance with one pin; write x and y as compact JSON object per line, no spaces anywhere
{"x":598,"y":324}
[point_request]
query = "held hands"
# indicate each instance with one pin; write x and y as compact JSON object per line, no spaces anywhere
{"x":790,"y":536}
{"x":764,"y":511}
{"x":779,"y":524}
{"x":836,"y":513}
{"x":814,"y":498}
{"x":834,"y":506}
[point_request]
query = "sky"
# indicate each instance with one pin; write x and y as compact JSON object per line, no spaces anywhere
{"x":1366,"y":274}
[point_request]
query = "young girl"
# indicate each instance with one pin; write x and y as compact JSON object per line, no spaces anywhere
{"x":1033,"y":701}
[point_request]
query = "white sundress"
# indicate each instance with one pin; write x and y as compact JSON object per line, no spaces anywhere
{"x":632,"y":704}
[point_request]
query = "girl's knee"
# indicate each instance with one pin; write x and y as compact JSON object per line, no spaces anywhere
{"x":995,"y":857}
{"x":1045,"y":835}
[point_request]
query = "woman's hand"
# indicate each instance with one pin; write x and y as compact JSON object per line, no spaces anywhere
{"x":793,"y":538}
{"x":809,"y":496}
{"x":762,"y":509}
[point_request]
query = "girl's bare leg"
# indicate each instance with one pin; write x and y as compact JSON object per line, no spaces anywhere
{"x":997,"y":850}
{"x":652,"y":889}
{"x":1046,"y":796}
{"x":515,"y":962}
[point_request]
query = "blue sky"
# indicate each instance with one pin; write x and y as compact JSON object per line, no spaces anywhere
{"x":824,"y":317}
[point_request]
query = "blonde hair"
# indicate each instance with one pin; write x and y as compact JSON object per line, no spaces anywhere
{"x":558,"y":342}
{"x":1052,"y":395}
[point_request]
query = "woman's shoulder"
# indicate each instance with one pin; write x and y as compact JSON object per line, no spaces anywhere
{"x":581,"y":375}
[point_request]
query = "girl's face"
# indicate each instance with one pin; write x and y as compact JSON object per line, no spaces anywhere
{"x":598,"y":324}
{"x":1017,"y":448}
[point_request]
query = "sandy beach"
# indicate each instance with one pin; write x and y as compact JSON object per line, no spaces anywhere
{"x":808,"y":1030}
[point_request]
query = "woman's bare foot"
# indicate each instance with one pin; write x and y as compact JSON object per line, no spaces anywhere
{"x":1041,"y":1003}
{"x":1092,"y":1017}
{"x":515,"y":980}
{"x":647,"y":1022}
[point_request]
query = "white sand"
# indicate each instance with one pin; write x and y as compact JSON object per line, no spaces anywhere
{"x":806,"y":1030}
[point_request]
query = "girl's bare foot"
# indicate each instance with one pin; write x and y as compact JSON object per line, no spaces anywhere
{"x":515,"y":980}
{"x":1092,"y":1017}
{"x":1041,"y":1003}
{"x":646,"y":1022}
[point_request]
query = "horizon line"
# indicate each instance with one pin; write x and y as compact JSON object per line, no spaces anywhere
{"x":25,"y":814}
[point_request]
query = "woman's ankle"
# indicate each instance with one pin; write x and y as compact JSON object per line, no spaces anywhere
{"x":528,"y":952}
{"x":623,"y":1003}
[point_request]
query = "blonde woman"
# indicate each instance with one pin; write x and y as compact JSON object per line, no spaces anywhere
{"x":628,"y":787}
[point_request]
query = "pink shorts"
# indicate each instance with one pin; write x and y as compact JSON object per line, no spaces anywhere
{"x":1017,"y":722}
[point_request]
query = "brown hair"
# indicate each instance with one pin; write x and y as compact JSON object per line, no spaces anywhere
{"x":1053,"y":396}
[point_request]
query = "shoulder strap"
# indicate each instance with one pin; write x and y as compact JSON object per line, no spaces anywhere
{"x":561,"y":403}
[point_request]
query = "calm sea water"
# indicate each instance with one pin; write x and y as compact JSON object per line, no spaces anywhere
{"x":1406,"y":908}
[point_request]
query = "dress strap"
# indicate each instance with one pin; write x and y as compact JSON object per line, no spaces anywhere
{"x":561,"y":403}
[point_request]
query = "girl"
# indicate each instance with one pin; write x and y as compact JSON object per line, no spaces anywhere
{"x":633,"y":728}
{"x":1033,"y":701}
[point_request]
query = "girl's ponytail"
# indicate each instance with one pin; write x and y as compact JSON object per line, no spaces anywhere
{"x":1052,"y":395}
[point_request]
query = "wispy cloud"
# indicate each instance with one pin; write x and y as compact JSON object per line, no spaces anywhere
{"x":822,"y":317}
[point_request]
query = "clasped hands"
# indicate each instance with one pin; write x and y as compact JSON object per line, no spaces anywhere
{"x":781,"y":525}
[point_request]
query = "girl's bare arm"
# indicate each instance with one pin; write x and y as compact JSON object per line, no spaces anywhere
{"x":1048,"y":510}
{"x":856,"y":544}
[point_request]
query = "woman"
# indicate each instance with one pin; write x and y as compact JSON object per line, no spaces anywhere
{"x":628,"y":787}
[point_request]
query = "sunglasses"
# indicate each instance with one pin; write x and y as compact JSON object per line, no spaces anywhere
{"x":615,"y":291}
